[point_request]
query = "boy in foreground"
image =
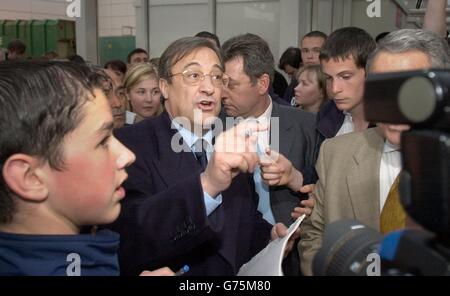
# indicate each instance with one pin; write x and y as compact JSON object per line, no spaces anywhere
{"x":61,"y":169}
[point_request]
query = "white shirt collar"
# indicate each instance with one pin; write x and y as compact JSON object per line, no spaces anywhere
{"x":389,"y":147}
{"x":190,"y":138}
{"x":347,"y":126}
{"x":265,"y":117}
{"x":347,"y":114}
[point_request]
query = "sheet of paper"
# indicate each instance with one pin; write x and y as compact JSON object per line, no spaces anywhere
{"x":268,"y":261}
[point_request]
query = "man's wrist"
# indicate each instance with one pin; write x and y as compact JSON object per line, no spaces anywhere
{"x":296,"y":180}
{"x":208,"y":187}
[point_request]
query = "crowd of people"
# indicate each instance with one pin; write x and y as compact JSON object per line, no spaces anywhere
{"x":126,"y":167}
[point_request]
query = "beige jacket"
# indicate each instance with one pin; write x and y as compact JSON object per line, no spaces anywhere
{"x":348,"y":188}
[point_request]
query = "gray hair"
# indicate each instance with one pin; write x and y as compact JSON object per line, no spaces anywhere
{"x":255,"y":52}
{"x":430,"y":43}
{"x":181,"y":48}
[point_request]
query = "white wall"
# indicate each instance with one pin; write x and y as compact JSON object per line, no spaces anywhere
{"x":171,"y":19}
{"x":277,"y":21}
{"x":257,"y":17}
{"x":33,"y":9}
{"x":87,"y":31}
{"x":156,"y":23}
{"x":391,"y":18}
{"x":116,"y":17}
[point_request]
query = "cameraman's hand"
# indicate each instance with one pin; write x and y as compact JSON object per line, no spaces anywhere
{"x":306,"y":206}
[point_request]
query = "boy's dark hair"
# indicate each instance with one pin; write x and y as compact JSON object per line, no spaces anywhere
{"x":255,"y":51}
{"x":76,"y":59}
{"x":117,"y":65}
{"x":181,"y":48}
{"x":317,"y":34}
{"x":136,"y":51}
{"x":292,"y":57}
{"x":17,"y":46}
{"x":209,"y":35}
{"x":347,"y":43}
{"x":155,"y":62}
{"x":381,"y":36}
{"x":41,"y":102}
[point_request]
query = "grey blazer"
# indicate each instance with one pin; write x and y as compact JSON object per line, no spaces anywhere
{"x":348,"y":167}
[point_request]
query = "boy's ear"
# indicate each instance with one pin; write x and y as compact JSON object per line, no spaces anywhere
{"x":164,"y":87}
{"x":23,"y":175}
{"x":263,"y":83}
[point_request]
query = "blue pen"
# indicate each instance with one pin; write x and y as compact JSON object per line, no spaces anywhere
{"x":182,"y":271}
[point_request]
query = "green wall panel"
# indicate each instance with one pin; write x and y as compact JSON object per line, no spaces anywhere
{"x":40,"y":36}
{"x":115,"y":48}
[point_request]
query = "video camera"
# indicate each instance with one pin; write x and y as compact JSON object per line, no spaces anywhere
{"x":420,"y":99}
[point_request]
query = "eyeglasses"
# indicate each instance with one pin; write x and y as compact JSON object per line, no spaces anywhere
{"x":315,"y":50}
{"x":193,"y":77}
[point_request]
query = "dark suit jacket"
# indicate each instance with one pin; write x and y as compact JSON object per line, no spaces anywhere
{"x":297,"y":143}
{"x":290,"y":91}
{"x":163,"y":220}
{"x":279,"y":84}
{"x":329,"y":121}
{"x":278,"y":100}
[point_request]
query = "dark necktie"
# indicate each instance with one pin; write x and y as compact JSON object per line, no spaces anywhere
{"x":200,"y":153}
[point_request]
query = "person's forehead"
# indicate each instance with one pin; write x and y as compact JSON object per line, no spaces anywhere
{"x":149,"y":81}
{"x":235,"y":63}
{"x":406,"y":61}
{"x":203,"y":57}
{"x":93,"y":118}
{"x":312,"y":42}
{"x":308,"y":75}
{"x":139,"y":55}
{"x":333,"y":66}
{"x":235,"y":68}
{"x":117,"y":80}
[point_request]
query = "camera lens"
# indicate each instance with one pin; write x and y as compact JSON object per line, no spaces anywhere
{"x":417,"y":99}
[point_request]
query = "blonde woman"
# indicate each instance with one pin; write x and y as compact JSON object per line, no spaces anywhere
{"x":311,"y":91}
{"x":143,"y":93}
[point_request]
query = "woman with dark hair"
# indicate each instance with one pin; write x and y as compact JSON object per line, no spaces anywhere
{"x":290,"y":62}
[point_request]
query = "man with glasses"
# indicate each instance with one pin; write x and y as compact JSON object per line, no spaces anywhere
{"x":209,"y":220}
{"x":310,"y":47}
